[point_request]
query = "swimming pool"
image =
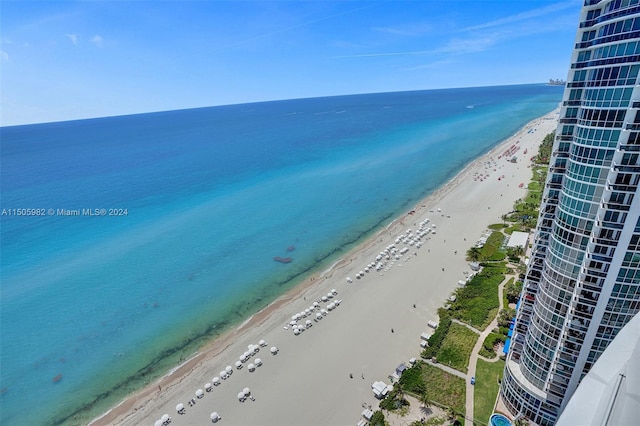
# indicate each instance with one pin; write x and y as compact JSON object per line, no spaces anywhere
{"x":498,"y":419}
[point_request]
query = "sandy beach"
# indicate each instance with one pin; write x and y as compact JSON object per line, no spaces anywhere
{"x":376,"y":326}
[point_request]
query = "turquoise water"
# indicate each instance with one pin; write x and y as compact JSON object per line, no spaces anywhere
{"x":211,"y":195}
{"x":498,"y":419}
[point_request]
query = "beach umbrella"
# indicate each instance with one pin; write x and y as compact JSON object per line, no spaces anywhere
{"x":238,"y":365}
{"x":247,"y":355}
{"x":296,"y":331}
{"x":228,"y":369}
{"x":158,"y":423}
{"x":246,"y":391}
{"x":262,"y":343}
{"x":334,"y":291}
{"x":316,"y":304}
{"x":216,"y":381}
{"x":179,"y":407}
{"x":208,"y":387}
{"x":164,"y":418}
{"x":318,"y":315}
{"x":274,"y":350}
{"x":223,"y":375}
{"x":349,"y":280}
{"x":324,"y":298}
{"x":199,"y":393}
{"x":241,"y":396}
{"x":252,"y":367}
{"x":215,"y":417}
{"x":258,"y":362}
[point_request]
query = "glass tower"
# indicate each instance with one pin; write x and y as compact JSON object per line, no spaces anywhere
{"x":582,"y":284}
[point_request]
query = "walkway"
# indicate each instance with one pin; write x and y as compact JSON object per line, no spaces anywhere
{"x":473,"y":360}
{"x":447,"y":369}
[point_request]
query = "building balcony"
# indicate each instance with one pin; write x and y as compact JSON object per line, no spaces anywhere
{"x":628,"y":168}
{"x":615,"y":206}
{"x":630,"y":148}
{"x":612,"y":186}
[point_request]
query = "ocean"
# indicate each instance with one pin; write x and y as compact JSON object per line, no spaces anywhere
{"x":128,"y":242}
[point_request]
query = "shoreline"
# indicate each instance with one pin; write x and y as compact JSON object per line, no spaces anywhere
{"x":144,"y":404}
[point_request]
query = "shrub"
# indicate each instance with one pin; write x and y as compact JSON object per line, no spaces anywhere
{"x":512,"y":290}
{"x":435,"y":341}
{"x":378,"y":419}
{"x":505,"y":316}
{"x":393,"y":401}
{"x":411,"y":380}
{"x":489,"y":343}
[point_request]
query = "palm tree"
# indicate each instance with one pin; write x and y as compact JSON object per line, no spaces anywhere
{"x":424,"y":399}
{"x":473,"y":254}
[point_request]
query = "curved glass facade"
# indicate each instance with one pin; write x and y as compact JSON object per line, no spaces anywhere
{"x":583,"y":281}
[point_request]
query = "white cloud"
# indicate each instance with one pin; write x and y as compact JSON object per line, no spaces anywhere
{"x":73,"y":38}
{"x":552,"y":9}
{"x":97,"y":40}
{"x":4,"y":56}
{"x":406,"y":30}
{"x":431,"y":65}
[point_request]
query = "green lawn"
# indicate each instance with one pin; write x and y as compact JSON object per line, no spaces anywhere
{"x":477,"y":303}
{"x":486,"y":389}
{"x":456,"y":347}
{"x":444,"y":388}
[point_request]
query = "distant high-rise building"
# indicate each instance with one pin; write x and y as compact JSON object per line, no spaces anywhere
{"x":583,"y":280}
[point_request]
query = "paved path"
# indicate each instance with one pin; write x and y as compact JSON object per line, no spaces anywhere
{"x":473,"y":360}
{"x":447,"y":369}
{"x":475,"y":330}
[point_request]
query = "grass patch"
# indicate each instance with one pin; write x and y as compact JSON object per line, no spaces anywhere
{"x":477,"y":303}
{"x":456,"y":347}
{"x":498,"y":226}
{"x":443,"y":388}
{"x":493,"y":247}
{"x":486,"y":389}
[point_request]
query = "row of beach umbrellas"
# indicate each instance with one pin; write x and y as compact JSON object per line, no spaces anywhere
{"x":392,"y":253}
{"x":314,"y":309}
{"x":224,"y":374}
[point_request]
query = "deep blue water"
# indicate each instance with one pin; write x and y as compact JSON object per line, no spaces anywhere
{"x":211,"y":196}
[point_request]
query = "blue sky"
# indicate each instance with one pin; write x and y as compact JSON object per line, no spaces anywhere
{"x":63,"y":60}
